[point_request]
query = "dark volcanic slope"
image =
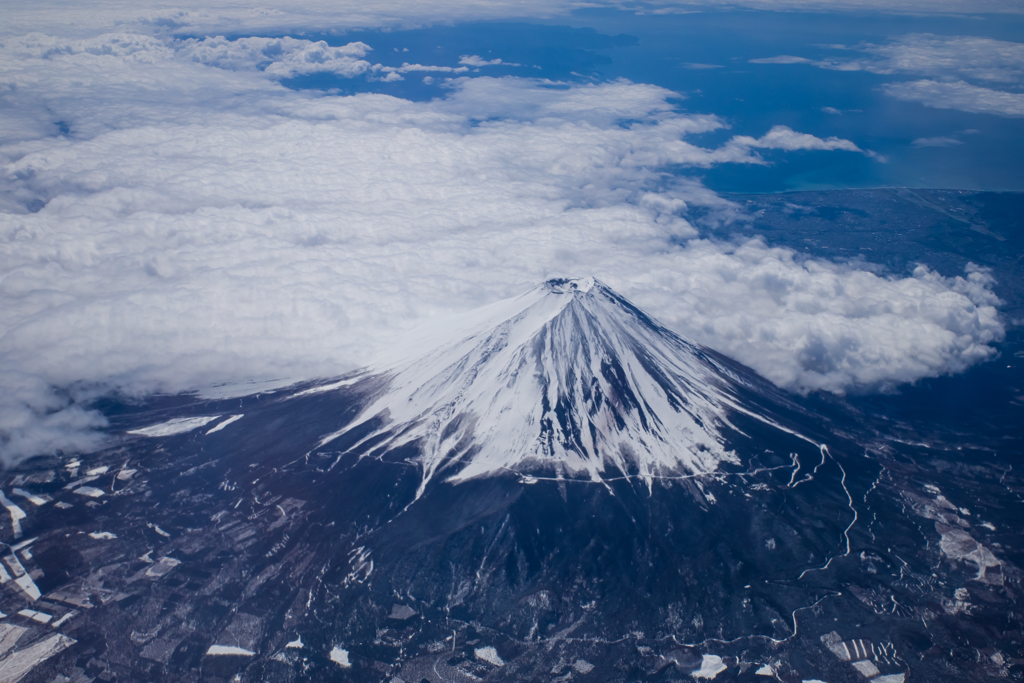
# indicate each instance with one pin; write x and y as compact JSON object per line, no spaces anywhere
{"x":246,"y":546}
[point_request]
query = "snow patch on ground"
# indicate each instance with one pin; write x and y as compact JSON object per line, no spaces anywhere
{"x":340,"y":657}
{"x":324,"y":388}
{"x":21,"y":662}
{"x":17,"y":514}
{"x":710,"y":667}
{"x":64,"y":618}
{"x":957,"y":544}
{"x":176,"y":426}
{"x":44,"y":499}
{"x":41,"y":617}
{"x":225,"y":423}
{"x":229,"y":650}
{"x":583,"y":666}
{"x":82,"y":481}
{"x":489,"y":655}
{"x":21,"y":578}
{"x":361,"y":564}
{"x":156,"y":528}
{"x":163,"y":567}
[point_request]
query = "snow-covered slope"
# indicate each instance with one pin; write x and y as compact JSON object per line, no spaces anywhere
{"x":569,"y":379}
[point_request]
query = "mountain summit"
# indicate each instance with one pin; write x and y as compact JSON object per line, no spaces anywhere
{"x":568,"y":379}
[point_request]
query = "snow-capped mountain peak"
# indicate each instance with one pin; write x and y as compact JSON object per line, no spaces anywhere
{"x":568,"y":379}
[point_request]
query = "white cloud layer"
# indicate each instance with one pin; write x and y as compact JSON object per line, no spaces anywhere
{"x":950,"y":62}
{"x":212,"y":17}
{"x":198,"y":223}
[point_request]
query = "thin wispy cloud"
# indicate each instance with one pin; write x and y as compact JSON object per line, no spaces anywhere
{"x":936,"y":142}
{"x":984,"y":59}
{"x":950,"y":62}
{"x":958,"y":95}
{"x":782,"y":59}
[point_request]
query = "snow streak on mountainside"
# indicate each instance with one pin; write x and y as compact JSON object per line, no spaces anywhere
{"x":568,"y":378}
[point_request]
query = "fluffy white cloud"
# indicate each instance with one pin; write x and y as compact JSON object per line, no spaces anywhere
{"x":281,"y":57}
{"x":201,"y":224}
{"x":785,"y":138}
{"x":810,"y":324}
{"x":477,"y":60}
